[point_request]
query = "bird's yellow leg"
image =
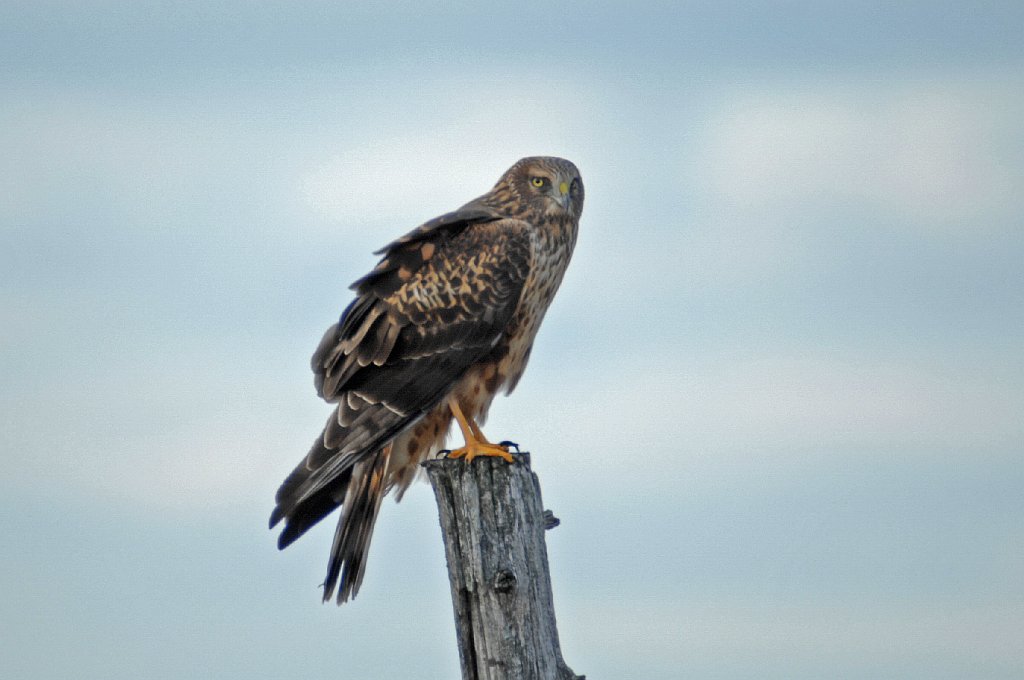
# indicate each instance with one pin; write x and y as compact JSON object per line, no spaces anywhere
{"x":477,"y":432}
{"x":476,"y":443}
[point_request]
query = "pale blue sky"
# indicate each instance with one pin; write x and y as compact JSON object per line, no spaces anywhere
{"x":777,"y":403}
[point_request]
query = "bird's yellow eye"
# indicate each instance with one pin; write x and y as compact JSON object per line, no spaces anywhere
{"x":538,"y":182}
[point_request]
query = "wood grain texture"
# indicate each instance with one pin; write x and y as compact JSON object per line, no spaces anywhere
{"x":493,"y":522}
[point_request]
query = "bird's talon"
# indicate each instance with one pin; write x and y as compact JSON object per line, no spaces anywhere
{"x":477,"y":449}
{"x":507,"y":444}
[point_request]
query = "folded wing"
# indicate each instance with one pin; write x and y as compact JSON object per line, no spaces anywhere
{"x":438,"y":302}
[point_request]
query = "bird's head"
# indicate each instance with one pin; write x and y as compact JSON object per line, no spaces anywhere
{"x":548,"y":185}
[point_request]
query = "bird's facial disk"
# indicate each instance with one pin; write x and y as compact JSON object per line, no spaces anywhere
{"x":554,"y":186}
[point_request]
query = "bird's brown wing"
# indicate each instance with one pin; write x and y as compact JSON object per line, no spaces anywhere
{"x":437,"y":303}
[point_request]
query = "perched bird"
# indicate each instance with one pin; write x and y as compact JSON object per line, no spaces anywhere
{"x":444,"y":322}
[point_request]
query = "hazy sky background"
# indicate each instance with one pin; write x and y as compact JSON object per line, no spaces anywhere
{"x":777,"y":403}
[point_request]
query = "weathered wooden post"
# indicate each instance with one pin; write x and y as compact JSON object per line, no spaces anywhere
{"x":493,"y":522}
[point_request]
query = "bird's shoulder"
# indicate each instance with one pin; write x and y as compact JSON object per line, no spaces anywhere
{"x":440,"y":289}
{"x":471,"y":275}
{"x":467,"y":246}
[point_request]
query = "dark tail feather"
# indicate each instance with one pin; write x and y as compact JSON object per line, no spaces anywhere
{"x":303,"y":515}
{"x":366,"y":489}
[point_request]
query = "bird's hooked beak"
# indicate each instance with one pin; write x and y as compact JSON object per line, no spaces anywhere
{"x":564,"y":197}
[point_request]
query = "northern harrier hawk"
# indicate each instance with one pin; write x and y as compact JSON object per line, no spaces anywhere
{"x":444,"y":321}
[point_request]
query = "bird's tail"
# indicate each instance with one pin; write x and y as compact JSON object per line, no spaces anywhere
{"x":359,"y":490}
{"x":359,"y":509}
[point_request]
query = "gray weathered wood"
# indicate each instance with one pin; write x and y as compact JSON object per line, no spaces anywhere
{"x":492,"y":521}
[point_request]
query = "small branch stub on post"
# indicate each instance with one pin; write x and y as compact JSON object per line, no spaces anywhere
{"x":493,"y":522}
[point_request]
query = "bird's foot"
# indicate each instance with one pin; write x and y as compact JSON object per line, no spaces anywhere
{"x":474,"y":448}
{"x":509,"y":445}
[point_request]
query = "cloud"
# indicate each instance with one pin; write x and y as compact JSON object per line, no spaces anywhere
{"x":780,"y":638}
{"x":438,"y":156}
{"x":397,"y":179}
{"x":937,"y":155}
{"x":189,"y":427}
{"x":783,"y":405}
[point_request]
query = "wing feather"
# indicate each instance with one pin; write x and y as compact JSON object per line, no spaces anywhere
{"x":437,"y":303}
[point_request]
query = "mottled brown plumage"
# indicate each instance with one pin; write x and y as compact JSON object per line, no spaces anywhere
{"x":448,"y":314}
